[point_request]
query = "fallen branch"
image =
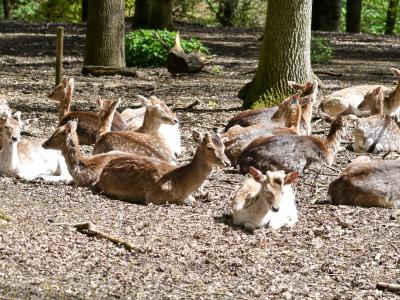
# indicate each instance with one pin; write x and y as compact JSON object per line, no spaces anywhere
{"x":187,"y":107}
{"x":322,"y":72}
{"x":90,"y":229}
{"x":332,"y":168}
{"x":388,"y":286}
{"x":103,"y":70}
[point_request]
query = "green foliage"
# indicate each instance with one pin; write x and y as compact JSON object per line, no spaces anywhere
{"x":321,"y":50}
{"x":60,"y":10}
{"x":25,"y":10}
{"x":269,"y":98}
{"x":143,"y":48}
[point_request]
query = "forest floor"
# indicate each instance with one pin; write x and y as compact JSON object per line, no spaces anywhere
{"x":185,"y":252}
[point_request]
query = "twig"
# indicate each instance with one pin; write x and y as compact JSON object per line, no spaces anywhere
{"x":248,"y":72}
{"x":388,"y":286}
{"x":332,"y":168}
{"x":221,"y":186}
{"x":322,"y":72}
{"x":90,"y":229}
{"x":318,"y":131}
{"x":188,"y":107}
{"x":163,"y":43}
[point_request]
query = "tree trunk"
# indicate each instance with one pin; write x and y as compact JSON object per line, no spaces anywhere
{"x":227,"y":12}
{"x":153,"y":14}
{"x":84,"y":10}
{"x":7,"y":9}
{"x":391,"y":16}
{"x":353,"y":16}
{"x":285,"y":52}
{"x":330,"y":15}
{"x":105,"y":45}
{"x":317,"y":6}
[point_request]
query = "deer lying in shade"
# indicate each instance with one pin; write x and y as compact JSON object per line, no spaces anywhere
{"x":277,"y":114}
{"x":146,"y":141}
{"x":368,"y":184}
{"x":85,"y":171}
{"x":265,"y":200}
{"x":379,"y":132}
{"x":88,"y":121}
{"x":237,"y":138}
{"x":292,"y":152}
{"x":140,"y":178}
{"x":28,"y":159}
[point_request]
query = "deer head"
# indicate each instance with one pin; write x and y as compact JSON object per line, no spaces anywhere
{"x":59,"y":138}
{"x":373,"y":101}
{"x":11,"y":127}
{"x":158,"y":110}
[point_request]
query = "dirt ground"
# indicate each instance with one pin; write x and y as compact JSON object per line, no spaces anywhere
{"x":185,"y":252}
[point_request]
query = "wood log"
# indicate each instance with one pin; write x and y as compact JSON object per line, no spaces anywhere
{"x":104,"y":70}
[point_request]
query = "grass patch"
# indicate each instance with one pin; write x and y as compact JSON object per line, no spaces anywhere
{"x":321,"y":50}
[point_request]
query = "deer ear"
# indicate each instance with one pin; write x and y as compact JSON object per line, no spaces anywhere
{"x":17,"y":116}
{"x":99,"y":102}
{"x":256,"y":174}
{"x":197,"y":136}
{"x":291,"y":177}
{"x":71,"y":125}
{"x":64,"y":82}
{"x":143,"y":100}
{"x":396,"y":72}
{"x":377,"y":90}
{"x":3,"y":118}
{"x":295,"y":85}
{"x":117,"y":102}
{"x":71,"y":83}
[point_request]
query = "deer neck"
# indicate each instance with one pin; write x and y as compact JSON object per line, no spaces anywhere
{"x":105,"y":125}
{"x":73,"y":157}
{"x":150,"y":125}
{"x":305,"y":117}
{"x":64,"y":105}
{"x":334,"y":139}
{"x":294,"y":121}
{"x":186,"y":179}
{"x":9,"y":158}
{"x":392,"y":102}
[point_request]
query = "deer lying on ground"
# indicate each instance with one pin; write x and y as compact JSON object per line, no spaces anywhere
{"x":85,"y":171}
{"x":88,"y":121}
{"x":379,"y":132}
{"x":141,"y":178}
{"x":27,"y":159}
{"x":147,"y":142}
{"x":368,"y":184}
{"x":265,"y":200}
{"x":237,"y":138}
{"x":292,"y":152}
{"x":171,"y":133}
{"x":275,"y":113}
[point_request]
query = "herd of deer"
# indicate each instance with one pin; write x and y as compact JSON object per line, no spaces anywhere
{"x":135,"y":152}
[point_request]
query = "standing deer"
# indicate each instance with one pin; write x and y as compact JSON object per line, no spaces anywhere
{"x":265,"y":200}
{"x":87,"y":126}
{"x":28,"y":159}
{"x":139,"y":178}
{"x":368,"y":184}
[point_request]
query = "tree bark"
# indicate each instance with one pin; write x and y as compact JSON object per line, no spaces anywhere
{"x":330,"y":15}
{"x":353,"y":16}
{"x":227,"y":12}
{"x":317,"y":6}
{"x":7,"y":9}
{"x":105,"y":45}
{"x":285,"y":52}
{"x":153,"y":14}
{"x":84,"y":10}
{"x":391,"y":16}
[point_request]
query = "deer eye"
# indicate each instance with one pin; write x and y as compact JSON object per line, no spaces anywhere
{"x":278,"y":181}
{"x":210,"y":147}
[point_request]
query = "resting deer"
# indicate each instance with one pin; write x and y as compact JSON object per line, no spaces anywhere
{"x":292,"y":152}
{"x":27,"y":159}
{"x":147,"y":142}
{"x":265,"y":200}
{"x":87,"y":126}
{"x":277,"y":114}
{"x":85,"y":171}
{"x":379,"y":132}
{"x":171,"y":133}
{"x":237,"y":138}
{"x":141,"y":178}
{"x":368,"y":184}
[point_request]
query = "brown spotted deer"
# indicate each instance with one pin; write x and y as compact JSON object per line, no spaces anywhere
{"x":28,"y":159}
{"x":237,"y":138}
{"x":292,"y":152}
{"x":147,"y":142}
{"x":265,"y":200}
{"x":88,"y":121}
{"x":368,"y":184}
{"x":85,"y":171}
{"x":276,"y":114}
{"x":140,"y":178}
{"x":379,"y":132}
{"x":171,"y":133}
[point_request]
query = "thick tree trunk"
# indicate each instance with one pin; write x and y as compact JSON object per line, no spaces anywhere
{"x":285,"y":51}
{"x":7,"y":9}
{"x":105,"y":35}
{"x":153,"y":14}
{"x":353,"y":16}
{"x":317,"y":6}
{"x":84,"y":10}
{"x":330,"y":15}
{"x":227,"y":12}
{"x":391,"y":16}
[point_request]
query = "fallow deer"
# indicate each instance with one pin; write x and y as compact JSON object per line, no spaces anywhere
{"x":237,"y":138}
{"x":275,"y":113}
{"x":85,"y":171}
{"x":368,"y":184}
{"x":292,"y":152}
{"x":147,"y":142}
{"x":265,"y":200}
{"x":141,"y":178}
{"x":88,"y":121}
{"x":28,"y":159}
{"x":379,"y":132}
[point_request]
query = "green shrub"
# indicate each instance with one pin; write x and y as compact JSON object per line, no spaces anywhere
{"x":269,"y":98}
{"x":143,"y":48}
{"x":321,"y":50}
